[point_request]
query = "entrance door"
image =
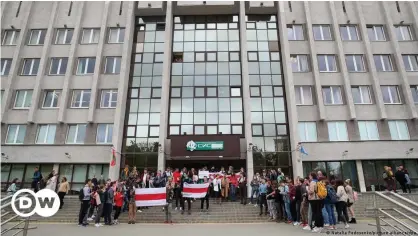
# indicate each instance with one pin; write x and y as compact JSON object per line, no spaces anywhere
{"x":197,"y":164}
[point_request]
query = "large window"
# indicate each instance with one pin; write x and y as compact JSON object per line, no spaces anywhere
{"x":398,"y":129}
{"x":37,"y":37}
{"x":327,"y":63}
{"x":383,"y":63}
{"x":5,"y":66}
{"x":90,"y":36}
{"x":349,"y":33}
{"x":332,"y":95}
{"x":355,"y":63}
{"x":116,"y":35}
{"x":403,"y":33}
{"x":109,"y":99}
{"x":376,"y":32}
{"x":86,"y":65}
{"x":300,"y":63}
{"x":112,"y":65}
{"x":322,"y":32}
{"x":337,"y":131}
{"x":58,"y":65}
{"x":15,"y":134}
{"x":81,"y":99}
{"x":295,"y":32}
{"x":391,"y":94}
{"x":104,"y":133}
{"x":410,"y":62}
{"x":51,"y":99}
{"x":30,"y":66}
{"x":46,"y":134}
{"x":64,"y":36}
{"x":303,"y":95}
{"x":414,"y":91}
{"x":23,"y":99}
{"x":76,"y":134}
{"x":307,"y":132}
{"x":10,"y":37}
{"x":368,"y":130}
{"x":361,"y":94}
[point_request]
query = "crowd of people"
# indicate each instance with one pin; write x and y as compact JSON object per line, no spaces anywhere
{"x":401,"y":175}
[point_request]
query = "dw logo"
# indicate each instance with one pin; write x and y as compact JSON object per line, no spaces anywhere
{"x":47,"y":202}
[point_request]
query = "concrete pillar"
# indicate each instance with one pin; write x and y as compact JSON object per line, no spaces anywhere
{"x":290,"y":91}
{"x":360,"y":176}
{"x":118,"y":126}
{"x":165,"y":90}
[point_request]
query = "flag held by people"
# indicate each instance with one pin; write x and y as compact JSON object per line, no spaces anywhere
{"x":150,"y":197}
{"x":195,"y":190}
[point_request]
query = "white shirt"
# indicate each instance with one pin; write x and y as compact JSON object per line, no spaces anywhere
{"x":216,"y":183}
{"x":144,"y":179}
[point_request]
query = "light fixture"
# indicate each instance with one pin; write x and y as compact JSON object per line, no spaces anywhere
{"x":348,"y":21}
{"x":67,"y":155}
{"x":65,"y":25}
{"x":401,"y":22}
{"x":261,"y":4}
{"x":344,"y":154}
{"x":250,"y":147}
{"x":204,"y":2}
{"x":117,"y":24}
{"x":409,"y":151}
{"x":294,"y":21}
{"x":160,"y":148}
{"x":12,"y":27}
{"x":4,"y":155}
{"x":149,"y":4}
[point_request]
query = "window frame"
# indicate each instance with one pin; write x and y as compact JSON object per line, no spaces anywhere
{"x":15,"y":135}
{"x":293,"y":30}
{"x":409,"y":56}
{"x":24,"y":99}
{"x":381,"y":56}
{"x":55,"y":93}
{"x":91,"y":36}
{"x":258,"y":87}
{"x":41,"y":31}
{"x":59,"y":65}
{"x":118,"y":35}
{"x":337,"y":125}
{"x":375,"y":39}
{"x":38,"y":129}
{"x":262,"y":130}
{"x":113,"y":72}
{"x":414,"y":87}
{"x":391,"y":95}
{"x":107,"y":141}
{"x":332,"y":95}
{"x":346,"y":27}
{"x":321,"y":28}
{"x":302,"y":97}
{"x":397,"y":123}
{"x":83,"y":91}
{"x":112,"y":93}
{"x":408,"y":27}
{"x":7,"y":63}
{"x":66,"y":30}
{"x":306,"y":133}
{"x":368,"y":129}
{"x":32,"y":61}
{"x":360,"y":88}
{"x":353,"y":56}
{"x":298,"y":60}
{"x":88,"y":59}
{"x":327,"y":64}
{"x":14,"y":37}
{"x":75,"y":135}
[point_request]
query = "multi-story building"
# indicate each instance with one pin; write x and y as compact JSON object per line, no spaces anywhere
{"x":209,"y":83}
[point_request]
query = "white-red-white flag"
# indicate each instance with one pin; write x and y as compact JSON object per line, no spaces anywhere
{"x":150,"y":197}
{"x":195,"y":190}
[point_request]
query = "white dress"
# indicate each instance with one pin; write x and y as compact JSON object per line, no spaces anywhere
{"x":52,"y":183}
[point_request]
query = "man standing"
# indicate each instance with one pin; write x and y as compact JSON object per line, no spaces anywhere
{"x":242,"y":185}
{"x":108,"y":207}
{"x":84,"y":197}
{"x":170,"y":193}
{"x":400,"y":177}
{"x":177,"y":192}
{"x":37,"y":176}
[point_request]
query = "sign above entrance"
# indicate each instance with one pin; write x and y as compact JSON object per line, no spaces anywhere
{"x":205,"y":146}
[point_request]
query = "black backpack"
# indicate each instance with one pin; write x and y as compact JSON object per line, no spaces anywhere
{"x":81,"y":194}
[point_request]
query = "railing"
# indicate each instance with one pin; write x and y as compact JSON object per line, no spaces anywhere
{"x":382,"y":215}
{"x":5,"y":204}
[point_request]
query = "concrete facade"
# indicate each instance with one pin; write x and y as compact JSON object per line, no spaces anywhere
{"x":26,"y":16}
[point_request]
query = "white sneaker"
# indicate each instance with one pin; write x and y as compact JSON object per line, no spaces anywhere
{"x":317,"y":230}
{"x":92,"y":216}
{"x":306,"y":227}
{"x":97,"y":225}
{"x":346,"y":226}
{"x":326,"y":225}
{"x":255,"y":205}
{"x":181,"y":208}
{"x":90,"y":219}
{"x":139,"y":211}
{"x":295,"y":223}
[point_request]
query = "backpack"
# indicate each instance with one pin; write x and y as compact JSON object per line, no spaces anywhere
{"x":321,"y":190}
{"x":81,"y":194}
{"x":332,"y":195}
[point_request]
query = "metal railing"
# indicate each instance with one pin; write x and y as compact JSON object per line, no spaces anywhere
{"x":382,"y":215}
{"x":16,"y":228}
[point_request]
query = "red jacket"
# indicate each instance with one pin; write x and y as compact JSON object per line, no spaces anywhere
{"x":234,"y":180}
{"x":176,"y":177}
{"x":119,"y":199}
{"x":292,"y":192}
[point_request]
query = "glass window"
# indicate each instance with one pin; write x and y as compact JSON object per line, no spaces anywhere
{"x":332,"y":95}
{"x":303,"y":95}
{"x":414,"y":91}
{"x":112,"y":65}
{"x":410,"y":62}
{"x":64,"y":36}
{"x":76,"y":134}
{"x":86,"y":65}
{"x":376,"y":32}
{"x":355,"y":63}
{"x":23,"y":99}
{"x":383,"y":62}
{"x":322,"y":32}
{"x":337,"y":131}
{"x":116,"y":35}
{"x":361,"y":94}
{"x":299,"y":63}
{"x":295,"y":32}
{"x":15,"y":134}
{"x":10,"y":37}
{"x":5,"y":66}
{"x":235,"y":92}
{"x":51,"y":99}
{"x":46,"y":134}
{"x":255,"y":91}
{"x":90,"y":36}
{"x":257,"y":130}
{"x":307,"y":132}
{"x":81,"y":99}
{"x":37,"y":37}
{"x":398,"y":130}
{"x":368,"y":130}
{"x":327,"y":63}
{"x":109,"y":99}
{"x":30,"y":66}
{"x":391,"y":94}
{"x":403,"y":33}
{"x":104,"y":133}
{"x":349,"y":32}
{"x":58,"y":66}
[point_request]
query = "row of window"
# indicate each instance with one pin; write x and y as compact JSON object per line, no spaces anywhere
{"x":51,"y":99}
{"x":58,"y":66}
{"x":45,"y":134}
{"x":332,"y":95}
{"x":350,"y":32}
{"x":354,"y":63}
{"x":337,"y":130}
{"x":63,"y":36}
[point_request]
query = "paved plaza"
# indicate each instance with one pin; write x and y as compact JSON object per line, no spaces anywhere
{"x":45,"y":229}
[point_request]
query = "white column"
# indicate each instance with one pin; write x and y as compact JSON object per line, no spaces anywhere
{"x":360,"y":176}
{"x":165,"y":90}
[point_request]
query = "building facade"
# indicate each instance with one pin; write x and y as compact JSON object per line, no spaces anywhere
{"x":209,"y":83}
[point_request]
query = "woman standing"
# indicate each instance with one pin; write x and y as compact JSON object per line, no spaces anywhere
{"x":408,"y":181}
{"x":350,"y":202}
{"x":12,"y":188}
{"x":131,"y":206}
{"x":52,"y":181}
{"x":99,"y":197}
{"x":63,"y":190}
{"x":329,"y":202}
{"x":225,"y":189}
{"x":342,"y":202}
{"x":217,"y":188}
{"x":316,"y":203}
{"x":118,"y":205}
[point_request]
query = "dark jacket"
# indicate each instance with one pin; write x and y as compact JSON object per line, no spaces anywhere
{"x":298,"y":193}
{"x":400,"y":177}
{"x":270,"y":190}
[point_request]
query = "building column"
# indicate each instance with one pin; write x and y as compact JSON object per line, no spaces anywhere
{"x":165,"y":90}
{"x":292,"y":115}
{"x":360,"y":176}
{"x":118,"y":126}
{"x":246,"y":94}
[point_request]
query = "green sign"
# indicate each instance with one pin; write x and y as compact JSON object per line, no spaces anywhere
{"x":205,"y":146}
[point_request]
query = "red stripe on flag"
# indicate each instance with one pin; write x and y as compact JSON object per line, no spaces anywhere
{"x":149,"y":197}
{"x":195,"y":190}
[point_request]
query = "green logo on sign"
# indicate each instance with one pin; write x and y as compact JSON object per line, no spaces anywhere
{"x":204,"y":146}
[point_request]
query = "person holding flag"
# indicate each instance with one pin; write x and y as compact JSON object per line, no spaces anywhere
{"x":185,"y":179}
{"x":206,"y":198}
{"x":170,"y":186}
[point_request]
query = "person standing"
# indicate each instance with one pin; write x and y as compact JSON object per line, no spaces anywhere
{"x":109,"y":199}
{"x":99,"y":198}
{"x":316,"y":203}
{"x":12,"y":189}
{"x":52,"y":181}
{"x":270,"y":201}
{"x":118,"y":205}
{"x":254,"y":188}
{"x":177,"y":191}
{"x":132,"y":205}
{"x":217,"y":188}
{"x":408,"y":180}
{"x":170,"y":186}
{"x":242,"y":185}
{"x":351,"y":200}
{"x":400,"y":177}
{"x":63,"y":189}
{"x":263,"y":193}
{"x":227,"y":187}
{"x":37,"y":176}
{"x":388,"y":178}
{"x":185,"y":179}
{"x":84,"y":197}
{"x":329,"y":202}
{"x":206,"y":198}
{"x":342,"y":202}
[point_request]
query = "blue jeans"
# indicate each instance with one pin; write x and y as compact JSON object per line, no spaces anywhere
{"x":232,"y":192}
{"x":325,"y":215}
{"x":331,"y":216}
{"x":288,"y":213}
{"x":254,"y":191}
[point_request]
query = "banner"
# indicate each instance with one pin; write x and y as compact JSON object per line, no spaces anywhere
{"x":203,"y":173}
{"x":195,"y":190}
{"x":150,"y":197}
